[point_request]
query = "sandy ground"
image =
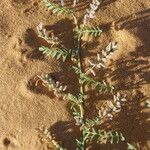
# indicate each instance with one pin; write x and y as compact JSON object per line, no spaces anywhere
{"x":24,"y":108}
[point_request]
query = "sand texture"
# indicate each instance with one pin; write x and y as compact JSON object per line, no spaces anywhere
{"x":24,"y":107}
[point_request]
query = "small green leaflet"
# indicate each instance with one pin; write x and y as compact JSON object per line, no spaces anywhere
{"x":101,"y":86}
{"x":94,"y":31}
{"x":56,"y":52}
{"x":57,"y":9}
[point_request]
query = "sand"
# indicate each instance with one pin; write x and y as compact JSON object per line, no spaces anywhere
{"x":23,"y":107}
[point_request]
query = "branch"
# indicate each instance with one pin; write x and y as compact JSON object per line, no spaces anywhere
{"x":57,"y":52}
{"x":101,"y":86}
{"x":102,"y":137}
{"x":57,"y":9}
{"x":82,"y":30}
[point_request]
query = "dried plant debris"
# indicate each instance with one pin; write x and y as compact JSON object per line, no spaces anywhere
{"x":90,"y":128}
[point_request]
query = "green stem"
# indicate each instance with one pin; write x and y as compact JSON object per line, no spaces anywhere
{"x":81,"y":86}
{"x":80,"y":62}
{"x":80,"y":66}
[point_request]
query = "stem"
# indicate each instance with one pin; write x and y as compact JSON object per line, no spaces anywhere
{"x":81,"y":87}
{"x":80,"y":62}
{"x":80,"y":66}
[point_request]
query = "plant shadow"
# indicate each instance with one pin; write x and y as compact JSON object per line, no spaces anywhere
{"x":65,"y":132}
{"x":32,"y":40}
{"x":63,"y":29}
{"x":130,"y":73}
{"x":134,"y":20}
{"x":133,"y":120}
{"x":136,"y":66}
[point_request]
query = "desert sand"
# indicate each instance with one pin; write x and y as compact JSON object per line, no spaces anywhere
{"x":24,"y":107}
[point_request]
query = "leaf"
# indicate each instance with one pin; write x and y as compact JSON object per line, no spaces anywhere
{"x":56,"y":52}
{"x":57,"y":9}
{"x":80,"y":144}
{"x":77,"y":69}
{"x":131,"y":147}
{"x":93,"y":31}
{"x":104,"y":137}
{"x":101,"y":86}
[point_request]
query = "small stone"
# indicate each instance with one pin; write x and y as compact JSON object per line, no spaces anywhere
{"x":6,"y":142}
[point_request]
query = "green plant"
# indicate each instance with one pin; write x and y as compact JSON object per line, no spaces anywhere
{"x":88,"y":127}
